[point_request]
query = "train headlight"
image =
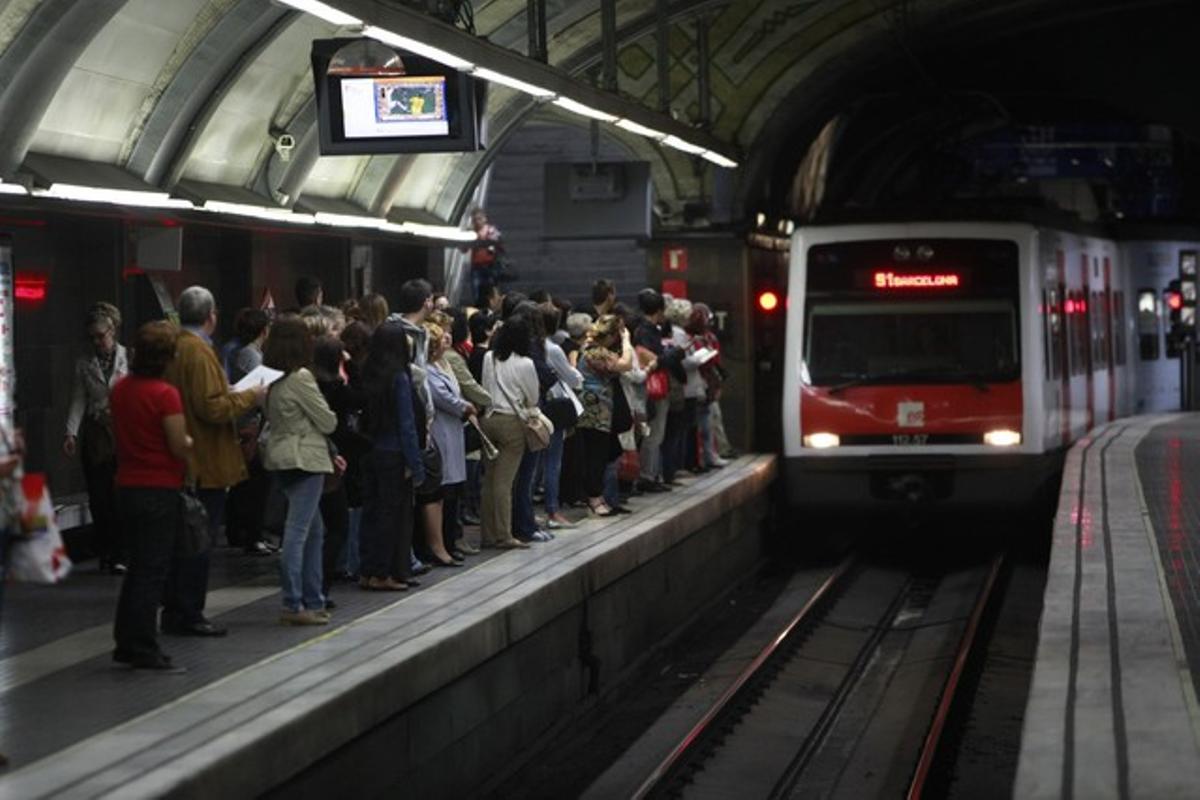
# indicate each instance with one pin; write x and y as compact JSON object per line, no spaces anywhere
{"x":1002,"y":438}
{"x":822,"y":441}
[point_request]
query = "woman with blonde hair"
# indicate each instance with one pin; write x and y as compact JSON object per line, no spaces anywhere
{"x":373,"y":309}
{"x":605,"y":356}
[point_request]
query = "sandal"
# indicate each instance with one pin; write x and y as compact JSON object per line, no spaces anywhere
{"x":600,"y":509}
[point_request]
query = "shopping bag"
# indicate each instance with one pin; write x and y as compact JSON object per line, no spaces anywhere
{"x":629,"y":467}
{"x":38,"y":554}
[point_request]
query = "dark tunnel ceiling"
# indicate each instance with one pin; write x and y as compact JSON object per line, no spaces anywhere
{"x":910,"y":110}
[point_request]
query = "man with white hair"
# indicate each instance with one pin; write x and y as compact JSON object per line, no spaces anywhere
{"x":216,"y":463}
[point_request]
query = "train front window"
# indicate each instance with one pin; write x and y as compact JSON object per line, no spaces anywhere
{"x":945,"y":341}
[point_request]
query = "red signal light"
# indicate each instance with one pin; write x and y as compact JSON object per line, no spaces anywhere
{"x":1174,"y":301}
{"x":768,"y":300}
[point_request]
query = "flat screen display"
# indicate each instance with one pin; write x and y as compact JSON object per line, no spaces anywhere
{"x":410,"y":104}
{"x":383,"y":107}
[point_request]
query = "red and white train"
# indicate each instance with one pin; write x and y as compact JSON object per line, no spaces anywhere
{"x":948,"y":363}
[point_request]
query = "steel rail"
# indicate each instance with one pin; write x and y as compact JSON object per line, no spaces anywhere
{"x":929,"y":748}
{"x":698,"y":731}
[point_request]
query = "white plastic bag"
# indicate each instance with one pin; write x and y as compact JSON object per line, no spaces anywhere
{"x":37,"y":553}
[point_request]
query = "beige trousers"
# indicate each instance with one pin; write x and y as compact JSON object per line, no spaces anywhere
{"x":507,"y":432}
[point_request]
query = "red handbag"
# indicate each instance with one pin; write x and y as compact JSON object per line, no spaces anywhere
{"x":629,"y":467}
{"x":658,"y":385}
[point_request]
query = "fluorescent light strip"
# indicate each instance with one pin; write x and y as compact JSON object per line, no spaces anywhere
{"x":271,"y":213}
{"x":576,"y":107}
{"x":121,"y":197}
{"x":324,"y":11}
{"x":446,"y":232}
{"x":681,"y":144}
{"x":514,"y":83}
{"x":420,"y":48}
{"x":640,"y":130}
{"x":350,"y":221}
{"x":12,"y":188}
{"x":719,"y":160}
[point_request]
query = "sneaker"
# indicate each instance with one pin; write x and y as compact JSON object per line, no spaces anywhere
{"x":303,"y":617}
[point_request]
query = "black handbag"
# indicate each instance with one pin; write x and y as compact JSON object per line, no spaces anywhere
{"x":431,"y":459}
{"x":561,"y":411}
{"x":193,"y":539}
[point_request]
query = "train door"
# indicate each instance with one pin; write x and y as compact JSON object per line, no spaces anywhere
{"x":1087,"y":340}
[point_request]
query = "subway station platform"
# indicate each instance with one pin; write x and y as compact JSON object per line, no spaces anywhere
{"x":429,"y":692}
{"x":1112,"y":710}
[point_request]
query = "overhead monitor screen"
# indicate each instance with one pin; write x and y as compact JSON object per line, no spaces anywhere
{"x":389,"y":107}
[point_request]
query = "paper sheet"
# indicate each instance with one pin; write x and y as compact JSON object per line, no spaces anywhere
{"x":705,"y":355}
{"x":256,"y":376}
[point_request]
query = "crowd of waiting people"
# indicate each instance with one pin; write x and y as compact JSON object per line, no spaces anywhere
{"x":390,"y":427}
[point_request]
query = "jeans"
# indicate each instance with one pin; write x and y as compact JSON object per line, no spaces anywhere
{"x":708,"y":451}
{"x":303,"y":533}
{"x":186,"y":591}
{"x":612,"y":488}
{"x":351,"y":561}
{"x":152,"y":518}
{"x":524,"y":523}
{"x":481,"y":279}
{"x":552,"y":467}
{"x":651,"y":452}
{"x":387,"y":523}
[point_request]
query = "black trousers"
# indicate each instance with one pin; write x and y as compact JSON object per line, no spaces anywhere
{"x":100,"y":479}
{"x":246,"y":505}
{"x":335,"y":513}
{"x":152,"y":518}
{"x":451,"y":525}
{"x":187,"y":581}
{"x":387,"y":526}
{"x":594,"y":448}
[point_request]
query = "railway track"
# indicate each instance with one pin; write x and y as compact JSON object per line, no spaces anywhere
{"x":852,"y":697}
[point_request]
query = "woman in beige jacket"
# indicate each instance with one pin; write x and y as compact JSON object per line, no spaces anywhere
{"x":298,"y":453}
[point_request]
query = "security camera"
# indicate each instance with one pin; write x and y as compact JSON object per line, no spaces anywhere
{"x":285,"y":143}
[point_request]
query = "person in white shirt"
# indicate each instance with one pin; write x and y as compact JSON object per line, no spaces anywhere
{"x":511,"y":380}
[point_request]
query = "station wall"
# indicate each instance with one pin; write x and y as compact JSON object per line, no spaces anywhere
{"x":84,"y":258}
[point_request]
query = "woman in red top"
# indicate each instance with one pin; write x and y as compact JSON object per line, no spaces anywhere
{"x":152,"y":447}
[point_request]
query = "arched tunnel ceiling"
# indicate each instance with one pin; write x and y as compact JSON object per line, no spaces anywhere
{"x":188,"y":89}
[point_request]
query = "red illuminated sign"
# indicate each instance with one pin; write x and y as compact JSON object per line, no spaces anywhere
{"x":886,"y":279}
{"x":30,"y":289}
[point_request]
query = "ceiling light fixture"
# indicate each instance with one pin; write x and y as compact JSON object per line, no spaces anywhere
{"x":324,"y":11}
{"x":576,"y":107}
{"x":418,"y":48}
{"x":121,"y":197}
{"x":718,"y":159}
{"x":682,"y":144}
{"x":446,"y":232}
{"x":513,"y":83}
{"x":350,"y":220}
{"x":274,"y":214}
{"x":640,"y":130}
{"x":12,"y":188}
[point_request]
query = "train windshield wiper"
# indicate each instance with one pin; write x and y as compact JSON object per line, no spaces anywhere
{"x":975,"y":379}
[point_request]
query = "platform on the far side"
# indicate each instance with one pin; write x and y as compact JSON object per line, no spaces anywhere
{"x":265,"y":704}
{"x":1112,"y":709}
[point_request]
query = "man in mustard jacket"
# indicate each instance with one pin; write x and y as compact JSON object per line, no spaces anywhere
{"x":216,"y":461}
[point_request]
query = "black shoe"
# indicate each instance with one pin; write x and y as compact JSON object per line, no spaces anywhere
{"x":651,"y":487}
{"x":411,"y":582}
{"x":259,"y":549}
{"x":161,"y":664}
{"x":622,"y":510}
{"x":201,"y":628}
{"x":329,"y":604}
{"x":421,"y":570}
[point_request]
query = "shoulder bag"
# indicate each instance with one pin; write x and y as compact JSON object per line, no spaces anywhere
{"x":193,"y":539}
{"x":538,"y":427}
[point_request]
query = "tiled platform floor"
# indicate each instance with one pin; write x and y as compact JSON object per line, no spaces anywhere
{"x":59,"y":686}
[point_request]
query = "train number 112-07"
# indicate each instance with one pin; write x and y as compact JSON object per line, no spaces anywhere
{"x":910,"y":438}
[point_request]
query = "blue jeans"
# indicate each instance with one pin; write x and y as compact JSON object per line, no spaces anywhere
{"x":523,"y":521}
{"x":351,"y":557}
{"x":303,"y":532}
{"x":552,"y":469}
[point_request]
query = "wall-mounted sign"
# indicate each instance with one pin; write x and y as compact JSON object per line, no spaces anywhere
{"x":675,"y":259}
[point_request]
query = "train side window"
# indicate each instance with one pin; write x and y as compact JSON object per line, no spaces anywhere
{"x":1147,"y":324}
{"x":1054,"y":334}
{"x":1118,"y":300}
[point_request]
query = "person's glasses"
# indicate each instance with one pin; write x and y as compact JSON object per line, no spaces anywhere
{"x":100,"y":336}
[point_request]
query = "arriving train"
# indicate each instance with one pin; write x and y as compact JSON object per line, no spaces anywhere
{"x":949,"y":364}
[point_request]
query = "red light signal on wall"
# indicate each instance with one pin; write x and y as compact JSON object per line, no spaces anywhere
{"x":29,"y":288}
{"x":768,"y":300}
